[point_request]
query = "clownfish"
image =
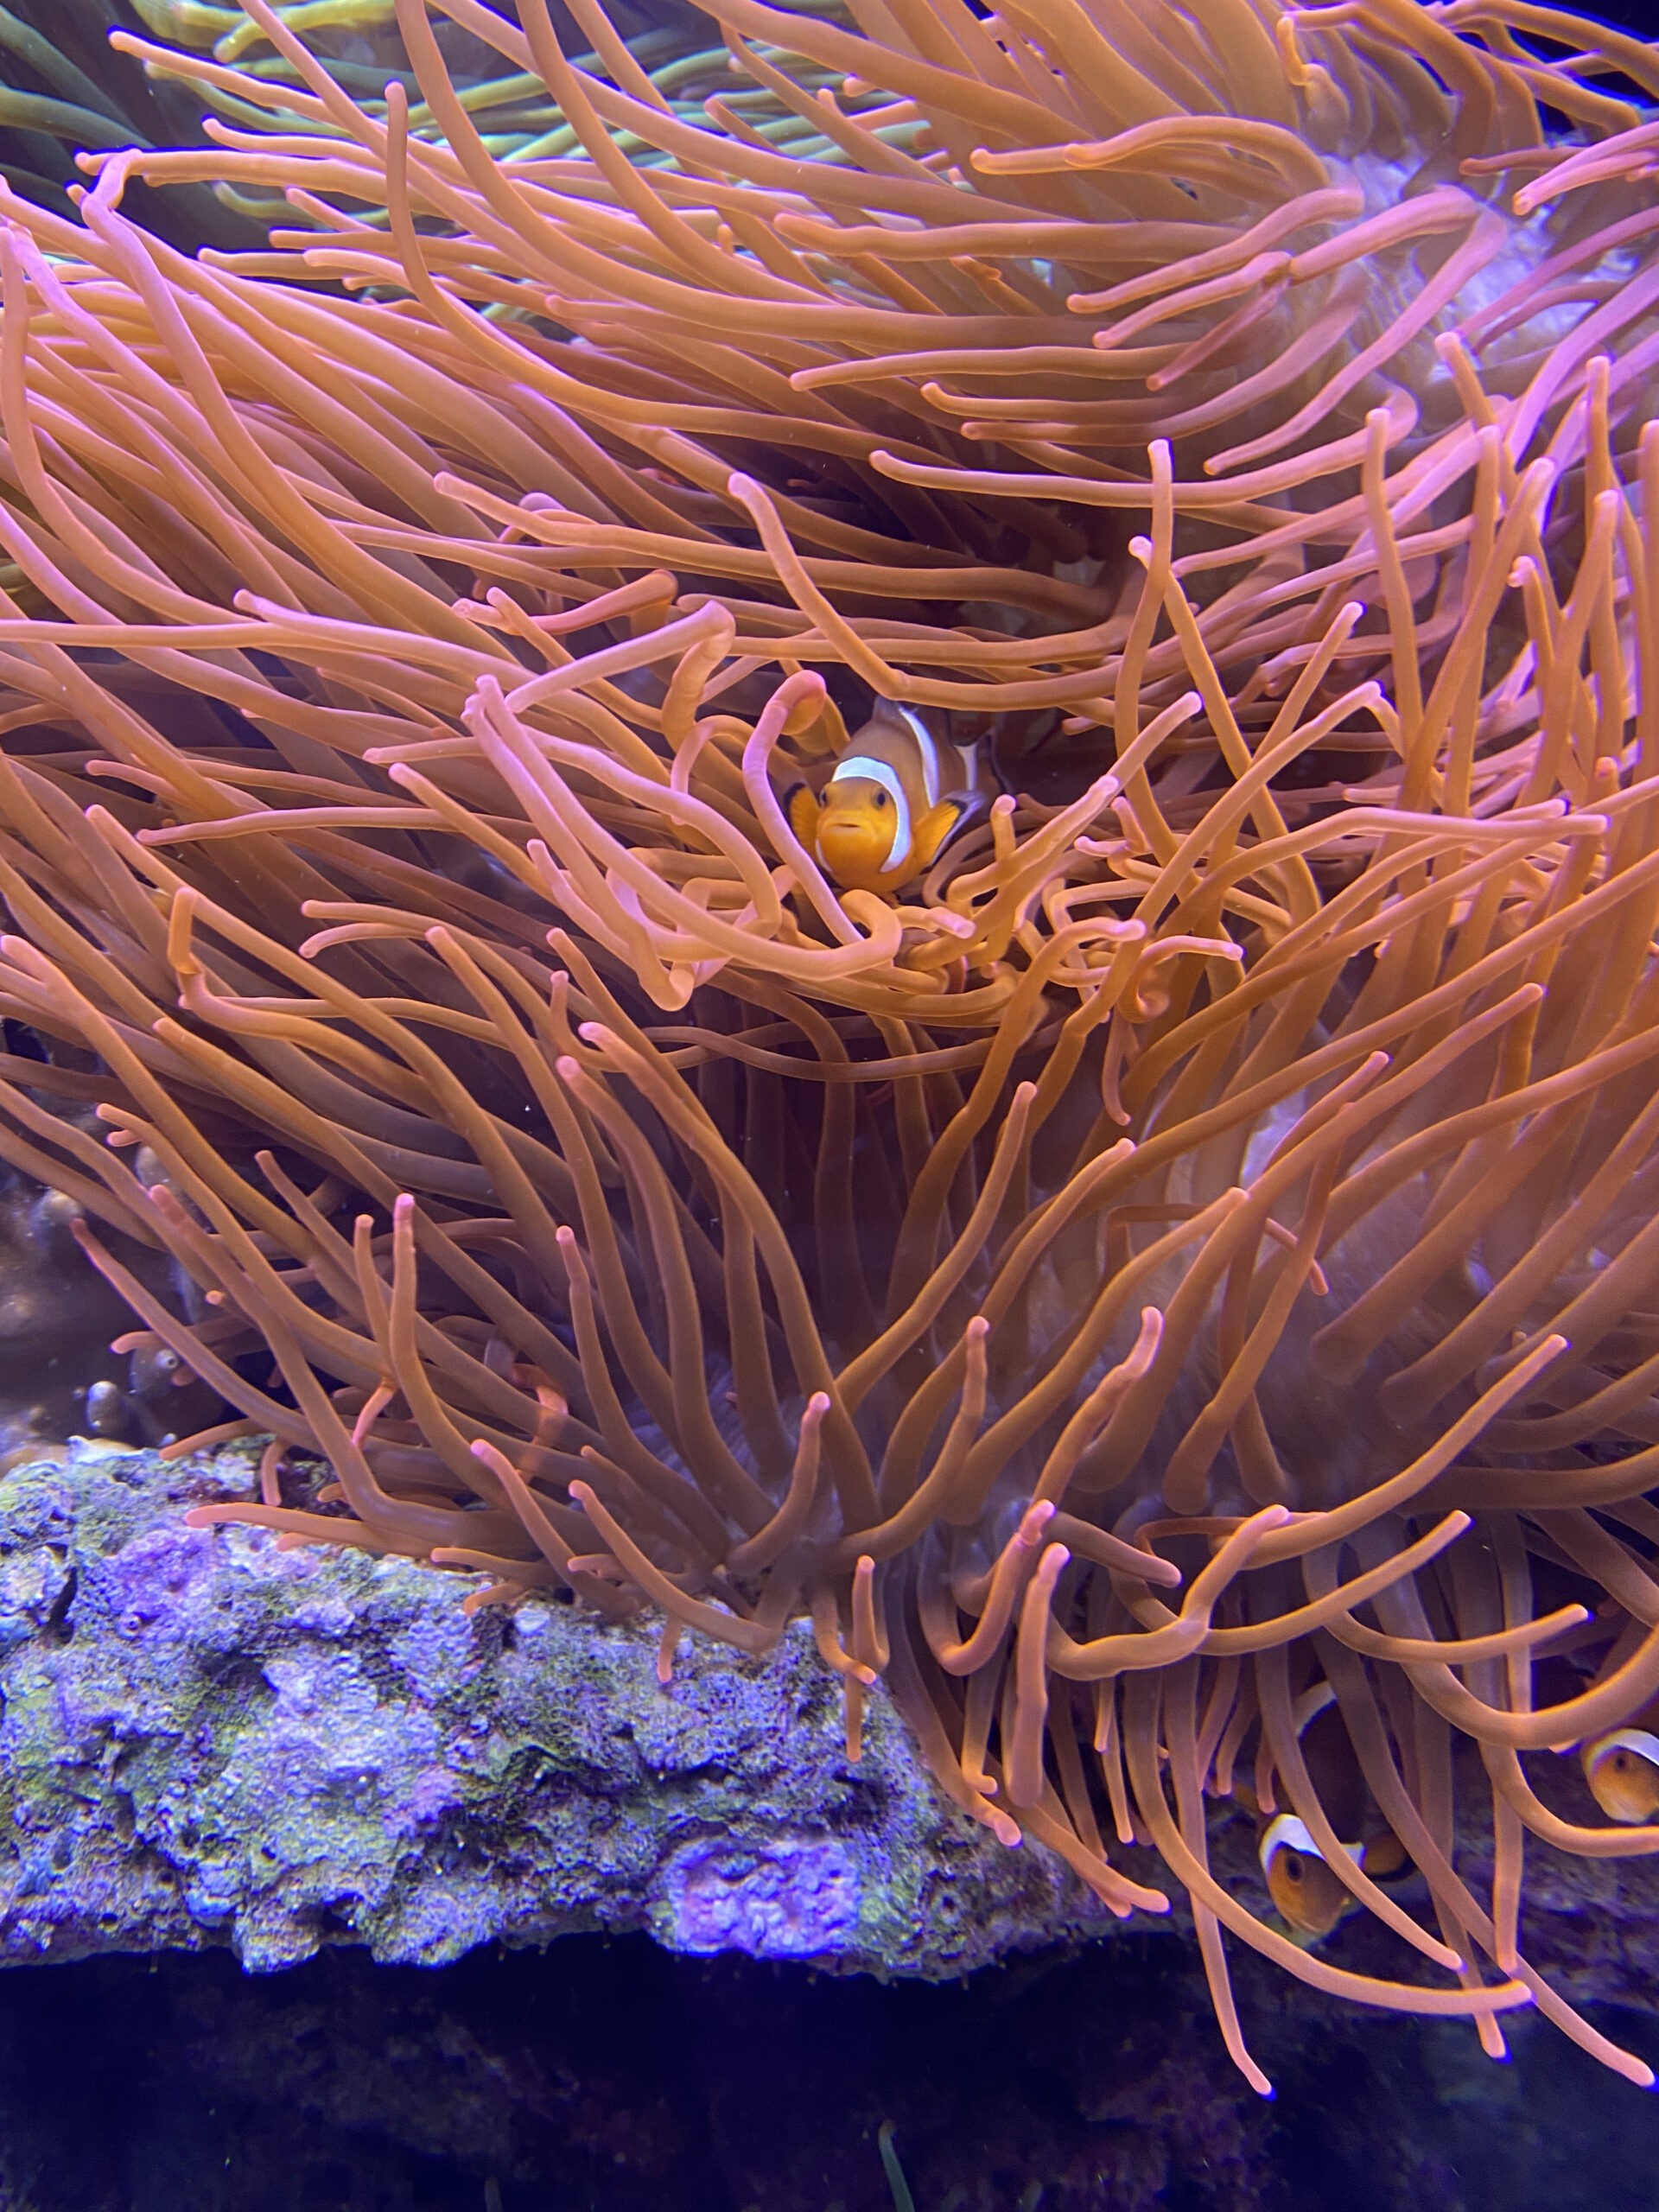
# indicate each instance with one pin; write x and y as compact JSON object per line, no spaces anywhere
{"x":1622,"y":1769}
{"x":1307,"y":1894}
{"x":1300,"y":1880}
{"x":893,"y":800}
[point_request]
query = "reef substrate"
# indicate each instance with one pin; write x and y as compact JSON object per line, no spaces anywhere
{"x":208,"y":1742}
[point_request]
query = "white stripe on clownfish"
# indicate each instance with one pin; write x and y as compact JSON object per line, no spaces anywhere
{"x":1290,"y":1832}
{"x":861,"y":764}
{"x":1639,"y":1740}
{"x":928,"y":752}
{"x":1309,"y":1705}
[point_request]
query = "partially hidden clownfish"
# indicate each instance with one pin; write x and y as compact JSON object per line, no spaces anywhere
{"x":1622,"y":1769}
{"x":894,"y":799}
{"x":1308,"y":1894}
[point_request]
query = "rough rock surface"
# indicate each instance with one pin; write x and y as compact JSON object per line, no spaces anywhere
{"x":208,"y":1739}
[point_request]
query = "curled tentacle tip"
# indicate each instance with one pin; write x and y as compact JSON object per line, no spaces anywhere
{"x":1151,"y":1336}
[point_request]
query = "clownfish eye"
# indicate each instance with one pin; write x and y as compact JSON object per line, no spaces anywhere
{"x":881,"y":799}
{"x":1290,"y":1863}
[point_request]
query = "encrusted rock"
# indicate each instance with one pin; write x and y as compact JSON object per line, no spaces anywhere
{"x":208,"y":1739}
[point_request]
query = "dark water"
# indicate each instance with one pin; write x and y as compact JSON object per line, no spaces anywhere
{"x":609,"y":2078}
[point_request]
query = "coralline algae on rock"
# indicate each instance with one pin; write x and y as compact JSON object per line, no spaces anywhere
{"x":206,"y":1739}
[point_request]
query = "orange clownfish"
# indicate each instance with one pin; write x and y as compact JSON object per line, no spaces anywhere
{"x":1622,"y":1769}
{"x":1308,"y":1895}
{"x":1310,"y":1898}
{"x":893,"y":800}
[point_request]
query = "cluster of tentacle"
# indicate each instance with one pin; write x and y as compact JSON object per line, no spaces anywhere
{"x":1158,"y":1262}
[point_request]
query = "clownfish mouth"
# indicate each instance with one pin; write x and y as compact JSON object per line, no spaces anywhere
{"x":856,"y":844}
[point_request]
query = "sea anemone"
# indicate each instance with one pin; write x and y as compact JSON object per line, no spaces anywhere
{"x":939,"y":294}
{"x":1166,"y":1284}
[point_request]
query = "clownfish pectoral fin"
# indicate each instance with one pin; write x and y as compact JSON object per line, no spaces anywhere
{"x":955,"y":812}
{"x":1384,"y":1857}
{"x":1309,"y":1898}
{"x":1623,"y":1771}
{"x":801,"y":812}
{"x":930,"y":837}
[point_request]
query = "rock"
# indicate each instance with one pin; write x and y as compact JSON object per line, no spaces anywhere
{"x":206,"y":1739}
